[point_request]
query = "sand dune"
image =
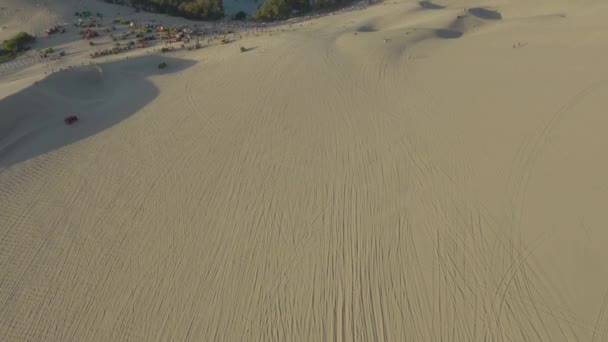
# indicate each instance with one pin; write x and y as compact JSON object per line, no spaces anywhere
{"x":354,"y":177}
{"x":101,"y":96}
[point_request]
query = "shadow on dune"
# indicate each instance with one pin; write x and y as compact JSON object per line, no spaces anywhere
{"x":484,"y":13}
{"x":462,"y":25}
{"x":366,"y":28}
{"x":429,"y":5}
{"x":31,"y":121}
{"x":448,"y":34}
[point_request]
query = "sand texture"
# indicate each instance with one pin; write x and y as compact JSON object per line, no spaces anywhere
{"x":412,"y":171}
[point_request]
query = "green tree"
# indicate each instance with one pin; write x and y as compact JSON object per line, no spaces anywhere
{"x":191,"y":9}
{"x":18,"y":42}
{"x":202,"y":9}
{"x":273,"y":10}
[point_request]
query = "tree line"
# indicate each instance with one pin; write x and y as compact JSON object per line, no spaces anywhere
{"x":191,"y":9}
{"x":270,"y":10}
{"x":14,"y":45}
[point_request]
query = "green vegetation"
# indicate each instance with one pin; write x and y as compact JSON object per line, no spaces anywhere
{"x":84,"y":14}
{"x":120,"y":21}
{"x":272,"y":10}
{"x":11,"y":47}
{"x":116,"y":2}
{"x":6,"y":57}
{"x":278,"y":9}
{"x":240,"y":15}
{"x":162,"y":65}
{"x":191,"y":9}
{"x":49,"y":50}
{"x":243,"y":49}
{"x":18,"y":42}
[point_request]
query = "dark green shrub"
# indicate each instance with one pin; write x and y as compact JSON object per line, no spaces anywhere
{"x":162,"y":65}
{"x":10,"y":48}
{"x":5,"y":57}
{"x":191,"y":9}
{"x":202,"y":9}
{"x":273,"y":10}
{"x":240,"y":15}
{"x":18,"y":42}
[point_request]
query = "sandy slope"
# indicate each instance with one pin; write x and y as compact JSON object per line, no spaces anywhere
{"x":357,"y":178}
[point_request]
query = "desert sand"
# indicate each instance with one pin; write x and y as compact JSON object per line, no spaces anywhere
{"x":406,"y":172}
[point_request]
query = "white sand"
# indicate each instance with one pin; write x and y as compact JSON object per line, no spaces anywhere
{"x":325,"y":185}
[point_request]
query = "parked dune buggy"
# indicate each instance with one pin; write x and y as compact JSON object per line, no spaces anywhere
{"x":70,"y":119}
